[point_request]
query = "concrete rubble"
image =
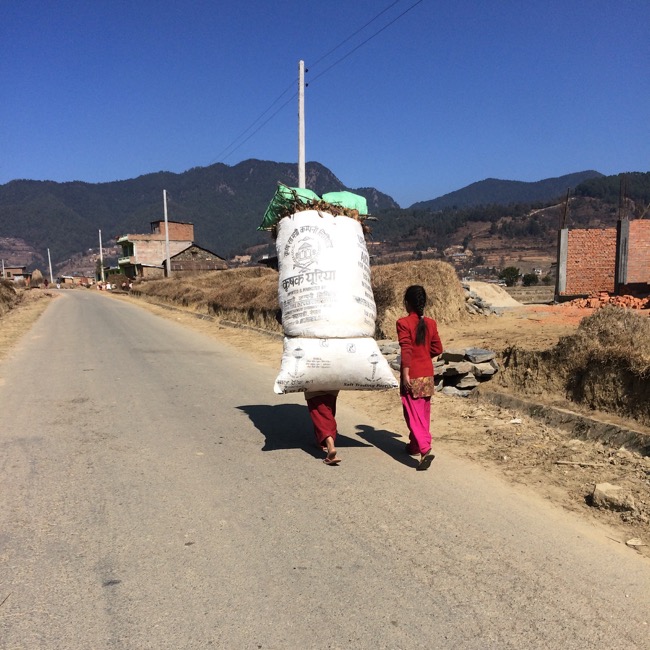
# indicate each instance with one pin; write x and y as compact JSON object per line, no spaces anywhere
{"x":477,"y":305}
{"x":612,"y":497}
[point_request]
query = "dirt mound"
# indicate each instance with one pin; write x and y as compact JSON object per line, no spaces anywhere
{"x":493,"y":294}
{"x":445,"y":296}
{"x":605,"y":365}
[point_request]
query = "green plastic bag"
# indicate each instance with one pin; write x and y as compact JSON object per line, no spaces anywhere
{"x":347,"y":200}
{"x":282,"y":204}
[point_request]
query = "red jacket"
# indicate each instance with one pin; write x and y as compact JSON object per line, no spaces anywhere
{"x":417,"y":358}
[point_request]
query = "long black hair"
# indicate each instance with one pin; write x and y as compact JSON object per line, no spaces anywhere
{"x":416,"y":299}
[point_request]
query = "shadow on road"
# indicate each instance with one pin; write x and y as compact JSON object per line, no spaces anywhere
{"x":388,"y":441}
{"x":288,"y":426}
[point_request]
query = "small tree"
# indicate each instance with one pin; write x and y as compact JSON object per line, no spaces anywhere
{"x":547,"y":280}
{"x":530,"y":279}
{"x":509,"y":275}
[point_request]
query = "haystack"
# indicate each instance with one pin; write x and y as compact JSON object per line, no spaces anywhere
{"x":605,"y":365}
{"x":247,"y":295}
{"x":445,"y":295}
{"x":8,"y":296}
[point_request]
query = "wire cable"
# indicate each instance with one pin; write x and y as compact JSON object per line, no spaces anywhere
{"x":235,"y":144}
{"x":313,"y":65}
{"x":318,"y":76}
{"x":222,"y":154}
{"x":261,"y":125}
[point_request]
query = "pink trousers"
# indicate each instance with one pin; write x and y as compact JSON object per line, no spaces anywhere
{"x":417,"y":413}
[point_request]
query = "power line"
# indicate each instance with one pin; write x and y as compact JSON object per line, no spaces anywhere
{"x":364,"y":42}
{"x":313,"y":65}
{"x":263,"y":124}
{"x":235,"y":144}
{"x":246,"y":130}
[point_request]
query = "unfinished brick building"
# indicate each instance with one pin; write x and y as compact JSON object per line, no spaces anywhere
{"x":612,"y":260}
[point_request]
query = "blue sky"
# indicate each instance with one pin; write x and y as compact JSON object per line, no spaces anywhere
{"x":450,"y":93}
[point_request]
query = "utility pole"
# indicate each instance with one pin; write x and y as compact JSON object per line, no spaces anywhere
{"x":49,"y":261}
{"x":301,"y":125}
{"x":101,"y":256}
{"x":167,"y":260}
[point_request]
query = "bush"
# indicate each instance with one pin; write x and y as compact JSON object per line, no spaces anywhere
{"x":530,"y":279}
{"x":509,"y":275}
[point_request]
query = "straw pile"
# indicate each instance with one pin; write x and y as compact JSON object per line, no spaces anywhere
{"x":605,"y":365}
{"x":289,"y":200}
{"x":445,"y":295}
{"x":611,"y":335}
{"x":246,"y":295}
{"x":250,"y":295}
{"x":8,"y":296}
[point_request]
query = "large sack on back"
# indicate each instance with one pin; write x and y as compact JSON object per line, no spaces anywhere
{"x":324,"y":285}
{"x":333,"y":364}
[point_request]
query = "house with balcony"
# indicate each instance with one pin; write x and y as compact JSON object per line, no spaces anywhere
{"x":144,"y":255}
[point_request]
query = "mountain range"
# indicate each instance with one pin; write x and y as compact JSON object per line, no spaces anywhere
{"x":225,"y":204}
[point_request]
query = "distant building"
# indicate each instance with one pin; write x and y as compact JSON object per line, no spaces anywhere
{"x":17,"y":273}
{"x":242,"y":259}
{"x":145,"y":255}
{"x":76,"y":280}
{"x":195,"y":259}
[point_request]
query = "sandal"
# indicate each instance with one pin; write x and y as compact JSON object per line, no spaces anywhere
{"x":425,"y":461}
{"x":332,"y":459}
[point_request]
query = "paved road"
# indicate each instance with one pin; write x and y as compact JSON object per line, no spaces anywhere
{"x":156,"y":494}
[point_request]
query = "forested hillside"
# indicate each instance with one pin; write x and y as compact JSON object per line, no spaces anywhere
{"x":226,"y":204}
{"x":500,"y":192}
{"x":593,"y":203}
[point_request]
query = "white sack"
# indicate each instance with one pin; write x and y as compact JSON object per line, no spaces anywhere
{"x":333,"y":364}
{"x":324,"y":285}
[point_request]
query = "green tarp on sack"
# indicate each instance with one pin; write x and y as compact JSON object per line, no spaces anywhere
{"x":282,"y":204}
{"x":347,"y":200}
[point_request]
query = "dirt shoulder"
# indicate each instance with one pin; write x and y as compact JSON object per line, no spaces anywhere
{"x":522,"y":449}
{"x":16,"y":322}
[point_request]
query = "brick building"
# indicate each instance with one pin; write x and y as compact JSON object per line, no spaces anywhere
{"x":615,"y":260}
{"x":144,"y":255}
{"x":16,"y":273}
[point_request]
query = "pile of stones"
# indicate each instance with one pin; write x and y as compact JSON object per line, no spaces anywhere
{"x":476,"y":305}
{"x":457,"y":372}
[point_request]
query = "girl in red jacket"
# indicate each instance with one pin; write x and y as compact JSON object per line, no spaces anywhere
{"x":419,"y":343}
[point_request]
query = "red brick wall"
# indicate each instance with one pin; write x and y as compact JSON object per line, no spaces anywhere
{"x":591,"y":261}
{"x":179,"y":231}
{"x":638,"y":257}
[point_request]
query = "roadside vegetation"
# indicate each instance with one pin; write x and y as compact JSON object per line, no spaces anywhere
{"x":9,"y":297}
